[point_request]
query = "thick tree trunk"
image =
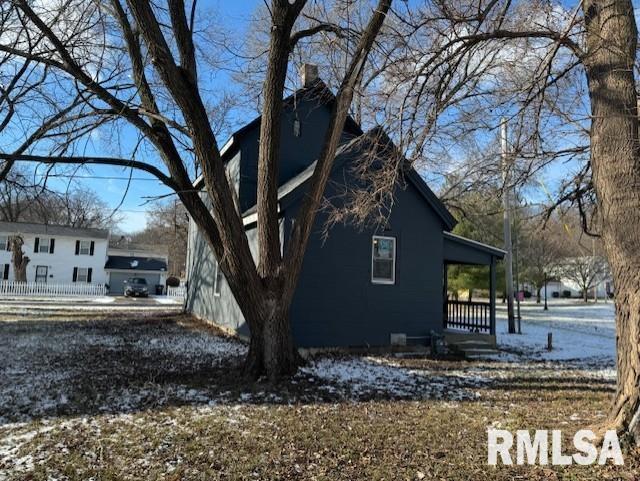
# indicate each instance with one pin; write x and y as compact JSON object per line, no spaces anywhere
{"x":538,"y":296}
{"x":18,"y":259}
{"x":271,"y":349}
{"x":609,"y":62}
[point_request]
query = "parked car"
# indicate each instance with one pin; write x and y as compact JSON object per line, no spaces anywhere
{"x":136,"y":287}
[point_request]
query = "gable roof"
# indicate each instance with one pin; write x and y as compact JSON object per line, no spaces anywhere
{"x":132,"y":263}
{"x":318,"y":91}
{"x":51,"y":229}
{"x":290,"y":190}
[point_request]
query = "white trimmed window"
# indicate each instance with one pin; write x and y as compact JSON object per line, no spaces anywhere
{"x":85,"y":248}
{"x":383,"y":260}
{"x":83,"y":274}
{"x":217,"y":282}
{"x":43,"y":245}
{"x":4,"y":243}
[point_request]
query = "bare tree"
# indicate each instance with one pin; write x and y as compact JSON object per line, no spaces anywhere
{"x":594,"y":48}
{"x":18,"y":258}
{"x":586,"y":272}
{"x":540,"y":251}
{"x":149,"y":82}
{"x":168,"y":226}
{"x":565,"y":77}
{"x":25,"y":197}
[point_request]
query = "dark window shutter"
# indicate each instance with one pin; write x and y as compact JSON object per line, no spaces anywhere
{"x":5,"y":274}
{"x":89,"y":275}
{"x":77,"y":247}
{"x":52,"y":243}
{"x":91,"y":249}
{"x":75,"y":274}
{"x":36,"y":245}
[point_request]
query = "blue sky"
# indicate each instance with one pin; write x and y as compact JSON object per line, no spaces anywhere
{"x":110,"y":182}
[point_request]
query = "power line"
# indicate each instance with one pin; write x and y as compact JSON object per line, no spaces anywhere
{"x":99,"y":177}
{"x":133,"y":211}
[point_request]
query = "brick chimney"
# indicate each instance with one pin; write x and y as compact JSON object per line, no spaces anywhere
{"x":308,"y":74}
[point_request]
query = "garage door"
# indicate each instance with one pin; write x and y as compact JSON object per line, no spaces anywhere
{"x":116,"y":281}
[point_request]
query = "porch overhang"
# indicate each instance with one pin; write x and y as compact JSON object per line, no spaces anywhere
{"x":475,"y":317}
{"x":460,"y":250}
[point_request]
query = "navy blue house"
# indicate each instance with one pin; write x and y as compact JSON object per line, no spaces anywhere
{"x":358,"y":286}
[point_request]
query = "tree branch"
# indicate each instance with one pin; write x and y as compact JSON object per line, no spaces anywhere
{"x":309,"y":32}
{"x":90,"y":160}
{"x":309,"y":208}
{"x":184,"y":39}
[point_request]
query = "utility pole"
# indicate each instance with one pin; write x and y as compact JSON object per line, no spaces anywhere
{"x":597,"y":280}
{"x":508,"y":259}
{"x":516,"y":252}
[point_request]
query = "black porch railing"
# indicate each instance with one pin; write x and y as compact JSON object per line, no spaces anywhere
{"x":467,"y":315}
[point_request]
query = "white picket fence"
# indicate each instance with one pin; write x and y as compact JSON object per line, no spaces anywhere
{"x":42,"y":289}
{"x":179,"y":292}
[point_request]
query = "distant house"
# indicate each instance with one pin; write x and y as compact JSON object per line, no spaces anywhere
{"x":69,"y":255}
{"x":572,"y":273}
{"x":59,"y":254}
{"x":360,"y":286}
{"x":133,"y":262}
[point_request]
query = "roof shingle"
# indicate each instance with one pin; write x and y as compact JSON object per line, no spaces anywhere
{"x":130,"y":263}
{"x":54,"y":230}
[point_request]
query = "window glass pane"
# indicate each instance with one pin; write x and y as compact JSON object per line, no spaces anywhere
{"x":218,"y":280}
{"x":383,"y":248}
{"x":44,"y":245}
{"x":83,"y":273}
{"x":85,"y":246}
{"x":383,"y":269}
{"x":3,"y":242}
{"x":383,"y":260}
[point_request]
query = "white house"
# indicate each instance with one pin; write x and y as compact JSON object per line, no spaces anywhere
{"x":67,"y":255}
{"x":603,"y":289}
{"x":58,"y":254}
{"x":573,"y":273}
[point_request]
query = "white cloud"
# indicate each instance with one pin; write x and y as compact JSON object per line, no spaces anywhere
{"x":133,"y":221}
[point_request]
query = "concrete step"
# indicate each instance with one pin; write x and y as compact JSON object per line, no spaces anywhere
{"x":455,"y":337}
{"x":472,"y":348}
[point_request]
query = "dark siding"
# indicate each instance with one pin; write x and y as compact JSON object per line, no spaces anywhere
{"x":296,"y":153}
{"x":336,"y":304}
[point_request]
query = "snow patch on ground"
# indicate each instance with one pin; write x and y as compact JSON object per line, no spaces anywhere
{"x":104,"y":300}
{"x":192,"y":344}
{"x":168,"y":300}
{"x":583,"y":335}
{"x":52,"y":368}
{"x":363,"y":377}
